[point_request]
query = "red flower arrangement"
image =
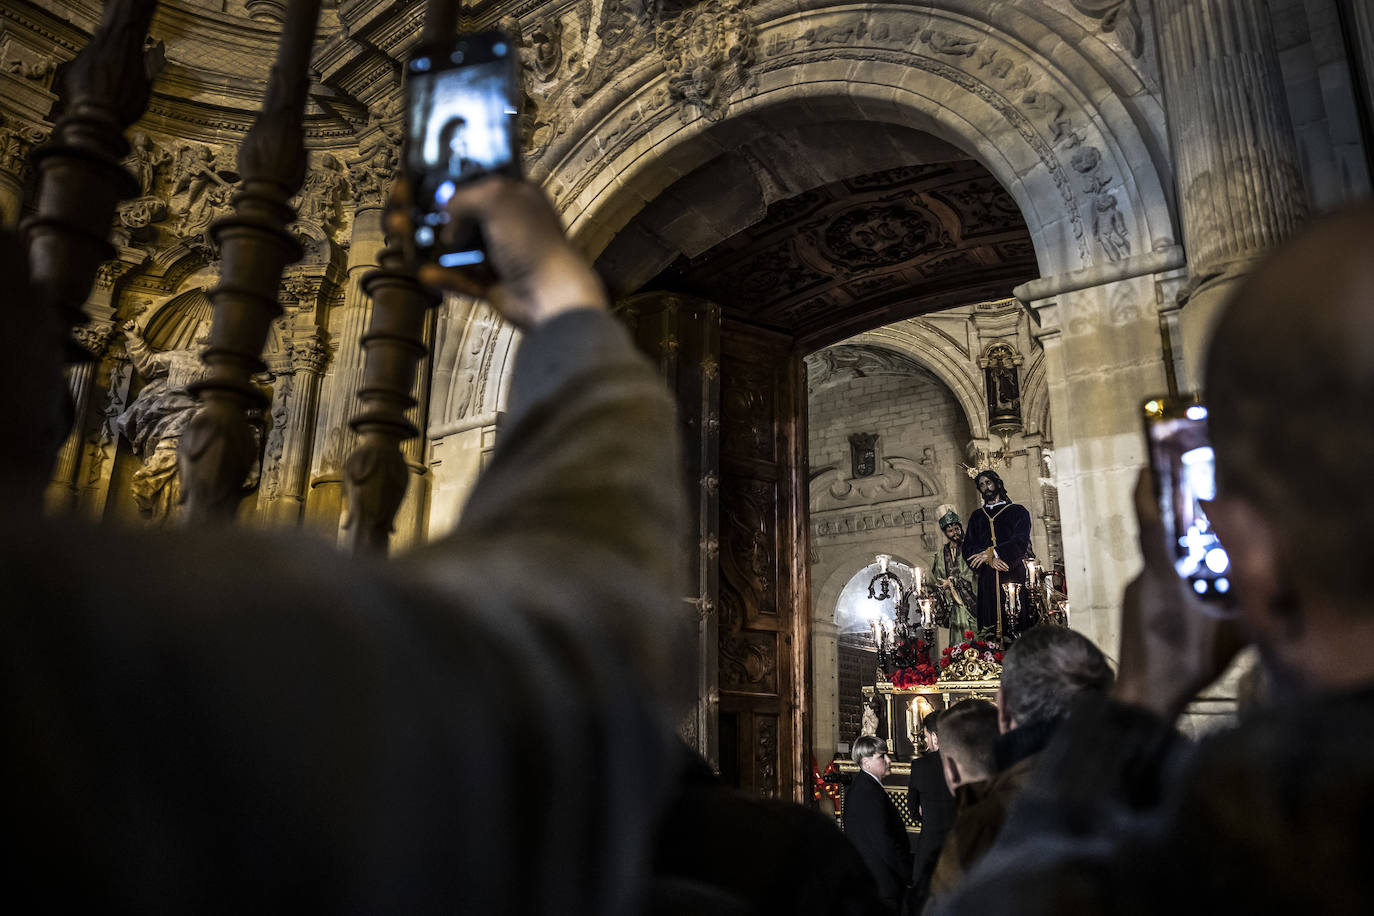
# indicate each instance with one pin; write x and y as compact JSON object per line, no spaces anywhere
{"x":988,"y":649}
{"x":911,"y":664}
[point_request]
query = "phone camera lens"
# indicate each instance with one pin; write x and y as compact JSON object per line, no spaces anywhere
{"x":424,"y":236}
{"x":420,"y":64}
{"x":499,"y":49}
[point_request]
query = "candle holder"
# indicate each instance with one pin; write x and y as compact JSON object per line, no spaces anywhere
{"x":905,"y":648}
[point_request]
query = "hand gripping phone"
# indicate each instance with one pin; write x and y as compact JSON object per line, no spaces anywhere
{"x":1185,"y":477}
{"x":462,"y":122}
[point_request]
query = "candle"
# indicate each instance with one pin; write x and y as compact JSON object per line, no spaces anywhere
{"x":1066,"y":613}
{"x":918,"y":580}
{"x":925,"y":613}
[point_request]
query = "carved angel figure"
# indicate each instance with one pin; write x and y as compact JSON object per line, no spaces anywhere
{"x":145,"y":160}
{"x":153,"y":424}
{"x":324,"y":186}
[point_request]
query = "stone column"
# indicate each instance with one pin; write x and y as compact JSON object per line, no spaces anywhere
{"x":296,"y":399}
{"x":16,"y":141}
{"x":333,"y":439}
{"x":1239,"y":183}
{"x":1101,"y":333}
{"x":61,"y":495}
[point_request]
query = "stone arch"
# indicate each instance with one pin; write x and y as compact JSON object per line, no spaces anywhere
{"x":933,"y":352}
{"x":1035,"y":396}
{"x":1041,"y":102}
{"x":855,"y":558}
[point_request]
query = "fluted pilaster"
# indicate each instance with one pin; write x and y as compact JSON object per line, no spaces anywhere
{"x":1239,"y":183}
{"x":333,"y":438}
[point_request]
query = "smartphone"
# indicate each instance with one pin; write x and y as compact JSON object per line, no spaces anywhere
{"x":462,"y":122}
{"x":1185,"y":477}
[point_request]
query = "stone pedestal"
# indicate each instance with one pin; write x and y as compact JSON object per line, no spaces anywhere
{"x":1239,"y":182}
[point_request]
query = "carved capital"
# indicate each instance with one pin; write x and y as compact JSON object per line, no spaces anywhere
{"x":93,"y":337}
{"x":310,"y":353}
{"x":17,"y":140}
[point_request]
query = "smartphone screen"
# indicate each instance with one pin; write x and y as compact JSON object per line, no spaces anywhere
{"x":1184,"y":473}
{"x":461,"y":124}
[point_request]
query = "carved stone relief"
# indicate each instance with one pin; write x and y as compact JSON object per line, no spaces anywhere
{"x":708,"y":51}
{"x":17,"y":140}
{"x":1119,"y":16}
{"x":896,"y":478}
{"x":842,"y":362}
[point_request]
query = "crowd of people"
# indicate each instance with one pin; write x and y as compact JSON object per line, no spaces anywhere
{"x":222,"y":720}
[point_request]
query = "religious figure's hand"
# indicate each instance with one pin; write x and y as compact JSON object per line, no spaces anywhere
{"x":978,"y":559}
{"x":998,"y":565}
{"x":945,"y":583}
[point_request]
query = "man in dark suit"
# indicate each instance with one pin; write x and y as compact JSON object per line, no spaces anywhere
{"x":873,"y":825}
{"x":932,"y":806}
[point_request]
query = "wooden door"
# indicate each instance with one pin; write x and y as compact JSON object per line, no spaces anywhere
{"x":764,"y":626}
{"x":741,"y":396}
{"x":682,"y":334}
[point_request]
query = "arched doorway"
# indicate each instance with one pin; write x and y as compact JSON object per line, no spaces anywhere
{"x":1055,"y":113}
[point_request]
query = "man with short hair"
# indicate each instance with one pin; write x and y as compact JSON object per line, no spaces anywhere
{"x":996,"y":545}
{"x":1045,"y":671}
{"x":970,"y":728}
{"x":1274,"y":814}
{"x":872,"y":823}
{"x":931,"y":804}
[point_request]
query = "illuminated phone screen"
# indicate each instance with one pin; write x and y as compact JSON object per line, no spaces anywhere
{"x":463,"y":120}
{"x":1185,"y":477}
{"x":461,"y":125}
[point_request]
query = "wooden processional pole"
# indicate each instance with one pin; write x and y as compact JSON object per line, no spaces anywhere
{"x":376,"y":473}
{"x":218,"y":447}
{"x":81,"y":179}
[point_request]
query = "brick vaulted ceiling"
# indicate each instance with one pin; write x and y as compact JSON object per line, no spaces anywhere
{"x":865,"y":251}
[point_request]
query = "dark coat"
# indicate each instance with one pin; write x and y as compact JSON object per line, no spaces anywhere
{"x":932,"y":806}
{"x":875,"y":828}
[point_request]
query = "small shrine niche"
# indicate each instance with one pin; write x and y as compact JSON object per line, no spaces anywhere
{"x":1001,"y":366}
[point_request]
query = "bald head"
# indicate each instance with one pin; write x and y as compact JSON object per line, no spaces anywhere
{"x":1290,"y":387}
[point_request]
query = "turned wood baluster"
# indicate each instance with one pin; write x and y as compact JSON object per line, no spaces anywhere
{"x":375,"y":475}
{"x":218,"y":448}
{"x":80,"y":181}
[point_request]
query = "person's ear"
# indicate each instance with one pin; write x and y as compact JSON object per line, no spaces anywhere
{"x":1005,"y":722}
{"x":951,"y":770}
{"x":1260,"y":573}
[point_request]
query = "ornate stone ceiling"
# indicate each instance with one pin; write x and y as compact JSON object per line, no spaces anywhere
{"x":865,"y":251}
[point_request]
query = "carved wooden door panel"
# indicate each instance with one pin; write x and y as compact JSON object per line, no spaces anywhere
{"x":683,"y":335}
{"x":764,"y":586}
